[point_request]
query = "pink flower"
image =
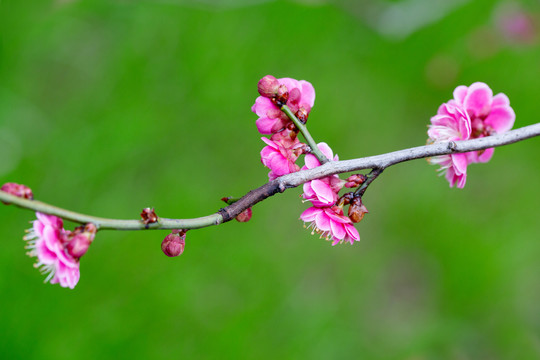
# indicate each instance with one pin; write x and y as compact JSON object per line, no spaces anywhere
{"x":322,"y":192}
{"x":281,"y":154}
{"x":330,"y":223}
{"x":271,"y":118}
{"x":451,"y":124}
{"x":489,"y":114}
{"x":47,"y":241}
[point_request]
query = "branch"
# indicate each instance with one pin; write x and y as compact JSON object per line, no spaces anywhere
{"x":378,"y":163}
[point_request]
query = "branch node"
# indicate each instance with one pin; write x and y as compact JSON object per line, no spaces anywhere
{"x":452,"y":145}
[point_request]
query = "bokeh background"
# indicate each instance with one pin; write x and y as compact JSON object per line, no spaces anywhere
{"x":107,"y":107}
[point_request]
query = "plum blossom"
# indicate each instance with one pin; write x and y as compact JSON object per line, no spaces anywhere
{"x":322,"y":192}
{"x":489,"y":114}
{"x":281,"y":153}
{"x":473,"y":113}
{"x":301,"y":97}
{"x":451,"y":124}
{"x":47,"y":240}
{"x":330,"y":223}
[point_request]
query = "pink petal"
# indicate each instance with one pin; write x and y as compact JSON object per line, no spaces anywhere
{"x":262,"y":106}
{"x":335,"y":217}
{"x":38,"y":227}
{"x":459,"y":93}
{"x":289,"y":83}
{"x":486,"y":155}
{"x":44,"y":255}
{"x":311,"y":161}
{"x":352,"y":232}
{"x":308,"y":190}
{"x":308,"y":93}
{"x":501,"y":118}
{"x":462,"y":179}
{"x":325,"y":149}
{"x":338,"y":232}
{"x":265,"y":125}
{"x":323,"y":192}
{"x":309,"y":214}
{"x":460,"y":163}
{"x":322,"y":221}
{"x":270,"y":143}
{"x":500,"y":100}
{"x":478,"y":99}
{"x":52,"y":239}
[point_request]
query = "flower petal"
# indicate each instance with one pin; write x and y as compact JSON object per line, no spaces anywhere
{"x":501,"y":118}
{"x":309,"y":214}
{"x":478,"y":99}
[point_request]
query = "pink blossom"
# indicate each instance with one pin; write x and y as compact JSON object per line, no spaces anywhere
{"x":47,"y":240}
{"x":330,"y":223}
{"x":451,"y":124}
{"x":281,"y":154}
{"x":489,"y":114}
{"x":271,"y":118}
{"x":322,"y":192}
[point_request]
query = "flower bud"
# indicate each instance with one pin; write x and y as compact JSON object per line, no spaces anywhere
{"x":357,"y":210}
{"x":174,"y":243}
{"x":282,"y":96}
{"x":268,"y":86}
{"x":355,"y":180}
{"x":78,"y":245}
{"x":80,"y":239}
{"x":148,"y":216}
{"x":18,"y":190}
{"x":302,"y":114}
{"x":244,"y":216}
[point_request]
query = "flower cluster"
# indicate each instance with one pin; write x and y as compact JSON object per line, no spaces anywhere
{"x":283,"y":148}
{"x":58,"y":250}
{"x":326,"y":216}
{"x":473,"y":113}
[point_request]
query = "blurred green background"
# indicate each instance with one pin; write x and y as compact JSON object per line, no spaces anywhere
{"x":107,"y":107}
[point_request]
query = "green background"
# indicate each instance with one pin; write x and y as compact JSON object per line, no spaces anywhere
{"x":107,"y":107}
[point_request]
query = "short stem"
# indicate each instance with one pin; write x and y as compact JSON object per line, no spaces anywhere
{"x":370,"y":178}
{"x":303,"y":129}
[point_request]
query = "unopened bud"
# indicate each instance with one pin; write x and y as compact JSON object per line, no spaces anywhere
{"x":174,"y":243}
{"x":78,"y":246}
{"x":302,"y":114}
{"x":282,"y":96}
{"x":355,"y":180}
{"x":357,"y":210}
{"x":268,"y":86}
{"x":80,"y":239}
{"x":244,"y":216}
{"x":18,"y":190}
{"x":148,"y":216}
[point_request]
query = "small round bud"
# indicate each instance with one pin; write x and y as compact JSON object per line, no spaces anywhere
{"x":357,"y":210}
{"x":302,"y":114}
{"x":244,"y":216}
{"x":268,"y":86}
{"x":78,"y":245}
{"x":148,"y":216}
{"x":18,"y":190}
{"x":355,"y":180}
{"x":282,"y":96}
{"x":174,"y":243}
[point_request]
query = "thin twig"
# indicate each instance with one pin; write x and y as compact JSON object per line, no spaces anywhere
{"x":309,"y":139}
{"x":287,"y":181}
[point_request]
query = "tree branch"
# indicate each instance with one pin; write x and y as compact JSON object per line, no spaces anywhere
{"x":378,"y":162}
